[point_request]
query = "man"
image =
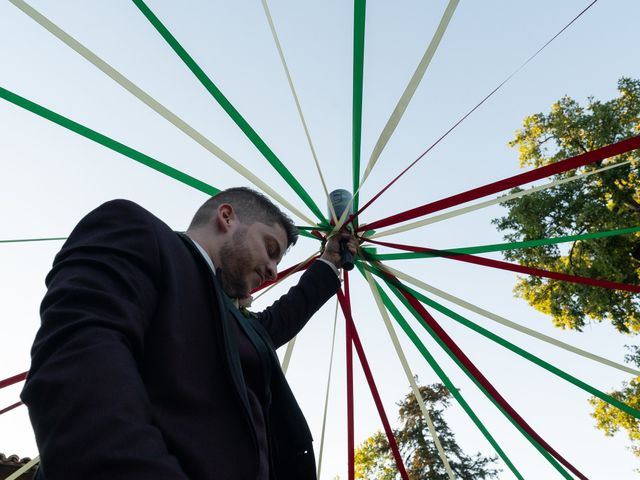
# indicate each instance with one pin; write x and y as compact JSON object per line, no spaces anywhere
{"x":144,"y":368}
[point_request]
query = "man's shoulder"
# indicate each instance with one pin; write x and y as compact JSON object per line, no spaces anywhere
{"x":121,"y":212}
{"x":119,"y":219}
{"x":122,"y":206}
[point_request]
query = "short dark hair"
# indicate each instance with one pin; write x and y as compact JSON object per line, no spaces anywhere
{"x":250,"y":207}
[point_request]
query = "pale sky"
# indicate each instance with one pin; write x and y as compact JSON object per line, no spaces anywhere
{"x":52,"y":177}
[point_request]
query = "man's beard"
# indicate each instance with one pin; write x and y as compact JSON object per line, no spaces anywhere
{"x":235,"y":265}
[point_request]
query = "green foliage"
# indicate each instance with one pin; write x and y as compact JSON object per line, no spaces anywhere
{"x":374,"y":460}
{"x":602,"y":201}
{"x":610,"y":419}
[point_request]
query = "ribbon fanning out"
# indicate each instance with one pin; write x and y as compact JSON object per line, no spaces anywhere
{"x":233,"y":113}
{"x":571,"y":163}
{"x":514,"y":267}
{"x":464,"y":117}
{"x":108,"y":142}
{"x":483,"y":383}
{"x":455,"y":392}
{"x":346,"y":310}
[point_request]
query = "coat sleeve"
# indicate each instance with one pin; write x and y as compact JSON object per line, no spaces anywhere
{"x":87,"y":401}
{"x":288,"y":315}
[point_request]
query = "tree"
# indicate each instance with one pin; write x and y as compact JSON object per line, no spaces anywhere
{"x":611,"y":420}
{"x":603,"y":201}
{"x":374,"y":460}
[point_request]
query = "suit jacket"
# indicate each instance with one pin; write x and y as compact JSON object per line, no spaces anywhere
{"x":135,"y":373}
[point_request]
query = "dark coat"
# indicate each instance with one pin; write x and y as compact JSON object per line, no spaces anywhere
{"x":135,"y":373}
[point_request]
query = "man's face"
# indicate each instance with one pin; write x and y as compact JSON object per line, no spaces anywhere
{"x":250,"y":257}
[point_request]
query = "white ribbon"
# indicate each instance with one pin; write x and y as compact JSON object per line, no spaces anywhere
{"x":287,"y":354}
{"x":408,"y":372}
{"x":488,"y":203}
{"x":297,"y":101}
{"x":508,"y":323}
{"x":410,"y":89}
{"x":156,"y":106}
{"x":25,"y":468}
{"x":326,"y":397}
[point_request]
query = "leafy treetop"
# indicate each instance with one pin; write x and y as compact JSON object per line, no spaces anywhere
{"x":603,"y":201}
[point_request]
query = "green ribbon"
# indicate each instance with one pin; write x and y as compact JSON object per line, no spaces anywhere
{"x":107,"y":142}
{"x":23,"y":240}
{"x":230,"y":109}
{"x":359,"y":11}
{"x":523,"y":353}
{"x":394,"y":286}
{"x":497,"y":247}
{"x":442,"y":375}
{"x":304,"y":233}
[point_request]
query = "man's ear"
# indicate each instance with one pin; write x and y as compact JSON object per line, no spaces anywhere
{"x":225,"y":217}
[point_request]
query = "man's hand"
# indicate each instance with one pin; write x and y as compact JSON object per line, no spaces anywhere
{"x":331,"y":251}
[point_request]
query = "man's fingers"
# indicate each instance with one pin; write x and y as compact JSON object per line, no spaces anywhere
{"x":346,"y":236}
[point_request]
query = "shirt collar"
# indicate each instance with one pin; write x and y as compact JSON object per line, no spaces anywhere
{"x":205,"y":255}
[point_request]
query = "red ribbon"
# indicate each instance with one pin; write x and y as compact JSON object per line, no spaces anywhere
{"x":349,"y":360}
{"x":11,"y":380}
{"x":10,"y":407}
{"x":510,"y":182}
{"x":514,"y":267}
{"x":458,"y":353}
{"x":464,"y":117}
{"x":345,"y":304}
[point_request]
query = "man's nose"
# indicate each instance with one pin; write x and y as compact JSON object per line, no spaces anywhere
{"x":272,"y":271}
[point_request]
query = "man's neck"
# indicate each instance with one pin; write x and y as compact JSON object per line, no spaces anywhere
{"x":205,"y":254}
{"x":205,"y":242}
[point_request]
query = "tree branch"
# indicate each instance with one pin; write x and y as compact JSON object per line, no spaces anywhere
{"x":580,"y":232}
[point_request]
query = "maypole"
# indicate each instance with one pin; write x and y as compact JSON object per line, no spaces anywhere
{"x":370,"y":263}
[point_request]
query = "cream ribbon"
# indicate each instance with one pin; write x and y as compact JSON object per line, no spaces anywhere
{"x":411,"y":88}
{"x":326,"y":397}
{"x":408,"y":372}
{"x":508,"y":323}
{"x":23,"y":469}
{"x":155,"y":105}
{"x":488,"y":203}
{"x":400,"y":108}
{"x":287,"y":354}
{"x":297,"y":101}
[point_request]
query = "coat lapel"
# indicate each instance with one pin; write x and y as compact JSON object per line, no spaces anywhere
{"x":263,"y":351}
{"x":221,"y":317}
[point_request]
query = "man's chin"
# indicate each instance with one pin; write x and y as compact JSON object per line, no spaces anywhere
{"x":234,"y":289}
{"x":235,"y":292}
{"x":242,"y":293}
